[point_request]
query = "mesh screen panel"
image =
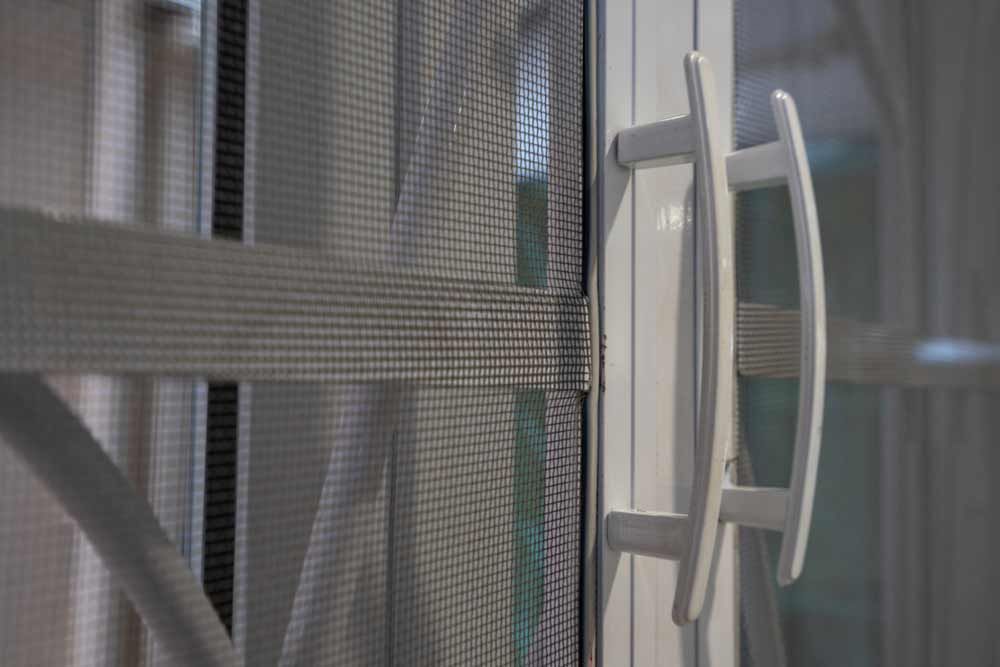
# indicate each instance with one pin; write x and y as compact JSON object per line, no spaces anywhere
{"x":310,"y":275}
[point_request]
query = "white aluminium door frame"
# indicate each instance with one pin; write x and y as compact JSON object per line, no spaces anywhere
{"x":646,"y":235}
{"x":633,"y":527}
{"x":648,"y":291}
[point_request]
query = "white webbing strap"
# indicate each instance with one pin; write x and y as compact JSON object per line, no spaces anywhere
{"x":58,"y":449}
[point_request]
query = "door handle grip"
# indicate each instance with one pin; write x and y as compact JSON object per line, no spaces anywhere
{"x":691,"y":538}
{"x":698,"y":138}
{"x":785,"y":161}
{"x":718,"y":342}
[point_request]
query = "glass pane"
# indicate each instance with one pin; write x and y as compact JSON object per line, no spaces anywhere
{"x":897,"y":104}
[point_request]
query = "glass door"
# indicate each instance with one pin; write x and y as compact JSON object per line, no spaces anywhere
{"x":894,"y":101}
{"x":896,"y":105}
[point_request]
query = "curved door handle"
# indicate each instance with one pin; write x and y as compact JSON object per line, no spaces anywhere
{"x":691,"y":538}
{"x":790,"y":511}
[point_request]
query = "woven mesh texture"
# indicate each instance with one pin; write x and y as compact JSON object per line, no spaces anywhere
{"x":310,"y":274}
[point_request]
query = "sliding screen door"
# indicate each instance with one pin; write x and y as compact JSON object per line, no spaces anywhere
{"x":309,"y":278}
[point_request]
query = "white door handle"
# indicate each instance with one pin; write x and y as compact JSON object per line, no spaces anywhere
{"x":691,"y":538}
{"x":784,"y":161}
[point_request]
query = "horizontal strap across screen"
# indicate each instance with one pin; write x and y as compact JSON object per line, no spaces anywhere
{"x":863,"y":353}
{"x":80,"y":296}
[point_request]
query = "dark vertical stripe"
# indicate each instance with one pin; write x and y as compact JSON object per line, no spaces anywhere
{"x":391,"y":552}
{"x":230,"y":120}
{"x":227,"y":222}
{"x":220,"y":498}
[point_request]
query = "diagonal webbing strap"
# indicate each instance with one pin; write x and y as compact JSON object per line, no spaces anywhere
{"x":57,"y":448}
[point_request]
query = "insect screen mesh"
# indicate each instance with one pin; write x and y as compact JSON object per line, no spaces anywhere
{"x":309,"y":274}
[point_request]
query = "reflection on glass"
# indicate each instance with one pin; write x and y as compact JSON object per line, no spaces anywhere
{"x":532,"y":161}
{"x":531,"y":179}
{"x":897,"y":106}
